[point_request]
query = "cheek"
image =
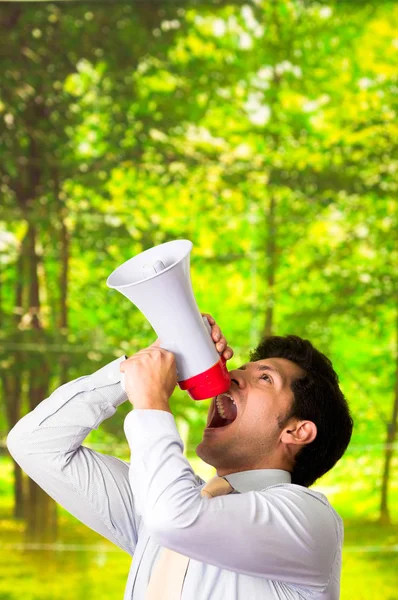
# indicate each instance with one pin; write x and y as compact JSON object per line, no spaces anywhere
{"x":255,"y":419}
{"x":261,"y":419}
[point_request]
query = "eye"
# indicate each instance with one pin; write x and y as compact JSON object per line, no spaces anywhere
{"x":266,"y":377}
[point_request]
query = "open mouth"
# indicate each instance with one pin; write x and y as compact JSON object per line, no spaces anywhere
{"x":224,"y":412}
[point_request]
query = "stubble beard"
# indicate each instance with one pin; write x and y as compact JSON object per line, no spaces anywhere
{"x":234,"y":455}
{"x":244,"y":454}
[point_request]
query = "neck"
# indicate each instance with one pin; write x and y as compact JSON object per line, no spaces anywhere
{"x":282,"y":464}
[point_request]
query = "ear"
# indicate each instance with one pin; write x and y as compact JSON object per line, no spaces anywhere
{"x":299,"y":433}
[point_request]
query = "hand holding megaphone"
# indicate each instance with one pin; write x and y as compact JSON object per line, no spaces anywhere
{"x":216,"y":334}
{"x":151,"y":372}
{"x":158,"y":282}
{"x":150,"y":377}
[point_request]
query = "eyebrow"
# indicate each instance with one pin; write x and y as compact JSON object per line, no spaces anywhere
{"x":266,"y":368}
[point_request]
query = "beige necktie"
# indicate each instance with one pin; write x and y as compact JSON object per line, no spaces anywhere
{"x":169,"y":572}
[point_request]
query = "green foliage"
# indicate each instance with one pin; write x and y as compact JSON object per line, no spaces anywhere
{"x":263,"y":132}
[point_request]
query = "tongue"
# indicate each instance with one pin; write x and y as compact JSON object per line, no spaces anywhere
{"x":229,"y":411}
{"x":218,"y":421}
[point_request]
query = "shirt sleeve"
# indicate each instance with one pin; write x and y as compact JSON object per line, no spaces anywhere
{"x":93,"y":487}
{"x":281,"y":533}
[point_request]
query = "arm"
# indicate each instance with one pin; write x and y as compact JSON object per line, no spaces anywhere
{"x":92,"y":486}
{"x":283,"y":533}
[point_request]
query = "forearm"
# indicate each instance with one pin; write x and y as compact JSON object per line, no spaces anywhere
{"x":47,"y":444}
{"x":157,"y":464}
{"x":60,"y":423}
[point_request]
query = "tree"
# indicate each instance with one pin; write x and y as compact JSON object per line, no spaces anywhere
{"x":48,"y":52}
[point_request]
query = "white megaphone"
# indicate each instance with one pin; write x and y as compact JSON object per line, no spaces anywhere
{"x":158,"y":282}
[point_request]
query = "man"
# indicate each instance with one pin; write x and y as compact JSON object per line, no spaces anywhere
{"x":271,"y":538}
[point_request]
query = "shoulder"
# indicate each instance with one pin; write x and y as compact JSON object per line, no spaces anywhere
{"x":305,"y":496}
{"x":308,"y":519}
{"x":309,"y":507}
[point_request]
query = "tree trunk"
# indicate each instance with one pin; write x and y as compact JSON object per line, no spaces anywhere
{"x":12,"y":388}
{"x":271,"y":258}
{"x":41,"y":509}
{"x":12,"y":384}
{"x":385,"y":517}
{"x":19,"y":493}
{"x":63,"y":281}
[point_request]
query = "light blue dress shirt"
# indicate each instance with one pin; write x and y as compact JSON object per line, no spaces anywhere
{"x":269,"y":539}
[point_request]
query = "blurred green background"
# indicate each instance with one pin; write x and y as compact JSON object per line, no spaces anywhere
{"x":263,"y":131}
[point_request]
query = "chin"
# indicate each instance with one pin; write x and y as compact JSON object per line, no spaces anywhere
{"x":205,"y":454}
{"x":211,"y":456}
{"x":199,"y":450}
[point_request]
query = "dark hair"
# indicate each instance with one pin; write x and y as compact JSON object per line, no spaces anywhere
{"x":318,"y":398}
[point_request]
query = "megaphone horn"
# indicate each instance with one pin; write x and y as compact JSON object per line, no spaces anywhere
{"x":158,"y":282}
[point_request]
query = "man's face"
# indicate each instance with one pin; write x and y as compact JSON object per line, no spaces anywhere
{"x":262,"y":394}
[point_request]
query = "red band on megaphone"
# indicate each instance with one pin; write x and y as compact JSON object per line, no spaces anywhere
{"x":208,"y":384}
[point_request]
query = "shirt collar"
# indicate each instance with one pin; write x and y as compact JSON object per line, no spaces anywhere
{"x":257,"y":479}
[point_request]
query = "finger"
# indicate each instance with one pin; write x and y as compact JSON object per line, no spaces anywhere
{"x":209,"y":318}
{"x":216,"y":333}
{"x":228,"y":353}
{"x":221,"y":345}
{"x":142,"y":351}
{"x":154,"y":346}
{"x":149,"y":351}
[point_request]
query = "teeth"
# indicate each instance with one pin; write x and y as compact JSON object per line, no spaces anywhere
{"x":230,"y":397}
{"x":220,"y":407}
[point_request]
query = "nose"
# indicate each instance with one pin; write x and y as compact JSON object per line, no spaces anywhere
{"x":238,"y":377}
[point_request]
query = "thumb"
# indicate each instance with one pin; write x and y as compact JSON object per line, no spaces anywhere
{"x":155,"y":344}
